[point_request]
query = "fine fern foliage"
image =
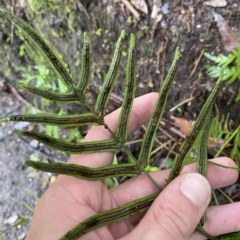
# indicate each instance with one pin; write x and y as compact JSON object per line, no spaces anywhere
{"x":230,"y":65}
{"x":77,"y":93}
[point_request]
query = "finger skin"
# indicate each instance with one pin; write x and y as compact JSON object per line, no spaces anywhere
{"x":140,"y":186}
{"x":220,"y":220}
{"x":172,"y":215}
{"x":69,"y":200}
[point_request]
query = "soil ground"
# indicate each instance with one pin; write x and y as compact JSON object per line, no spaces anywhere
{"x":189,"y":25}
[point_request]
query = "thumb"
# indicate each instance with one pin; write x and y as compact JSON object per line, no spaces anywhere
{"x":176,"y":211}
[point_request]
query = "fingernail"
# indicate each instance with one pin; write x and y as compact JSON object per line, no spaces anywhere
{"x":196,"y":188}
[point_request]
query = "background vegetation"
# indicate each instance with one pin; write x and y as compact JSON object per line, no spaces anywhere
{"x":62,"y":23}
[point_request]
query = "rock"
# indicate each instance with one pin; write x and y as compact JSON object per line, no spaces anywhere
{"x":11,"y":220}
{"x":21,"y":236}
{"x":34,"y":143}
{"x":216,"y":3}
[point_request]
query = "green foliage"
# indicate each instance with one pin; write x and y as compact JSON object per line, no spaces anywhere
{"x":235,"y":152}
{"x":98,"y":32}
{"x":219,"y":129}
{"x":229,"y":65}
{"x":74,"y":135}
{"x":129,"y":19}
{"x":33,"y":157}
{"x":75,"y":92}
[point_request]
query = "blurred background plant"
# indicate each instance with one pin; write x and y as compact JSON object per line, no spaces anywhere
{"x":228,"y":64}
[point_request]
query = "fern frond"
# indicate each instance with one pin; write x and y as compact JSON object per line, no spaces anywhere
{"x":213,"y":58}
{"x":202,"y":151}
{"x":229,"y":65}
{"x":69,"y":97}
{"x":203,"y":148}
{"x":194,"y":133}
{"x":106,"y":89}
{"x":108,"y":145}
{"x":109,"y":216}
{"x":57,"y":120}
{"x":226,"y":60}
{"x":85,"y":66}
{"x":154,"y":121}
{"x":76,"y":92}
{"x":129,"y":93}
{"x":83,"y":172}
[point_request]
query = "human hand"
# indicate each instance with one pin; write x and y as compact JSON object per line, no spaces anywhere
{"x":174,"y":214}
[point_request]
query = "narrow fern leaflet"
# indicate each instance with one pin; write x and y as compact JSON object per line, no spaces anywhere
{"x":108,"y":145}
{"x":52,"y":96}
{"x":202,"y":166}
{"x":154,"y":121}
{"x":129,"y":93}
{"x":92,"y":174}
{"x":85,"y":66}
{"x":57,"y":120}
{"x":110,"y":216}
{"x":106,"y":89}
{"x":202,"y":160}
{"x":188,"y":143}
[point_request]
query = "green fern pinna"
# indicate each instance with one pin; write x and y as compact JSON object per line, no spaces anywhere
{"x":95,"y":116}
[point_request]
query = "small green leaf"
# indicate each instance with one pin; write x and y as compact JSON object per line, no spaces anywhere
{"x":33,"y":157}
{"x":110,"y":183}
{"x":149,"y":168}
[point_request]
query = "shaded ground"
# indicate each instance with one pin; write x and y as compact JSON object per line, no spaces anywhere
{"x":188,"y":25}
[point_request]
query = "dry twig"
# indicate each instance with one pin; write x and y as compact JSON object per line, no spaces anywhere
{"x":130,"y":7}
